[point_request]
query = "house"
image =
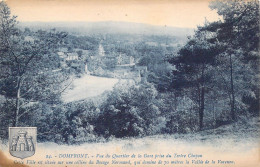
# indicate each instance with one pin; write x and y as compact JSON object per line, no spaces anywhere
{"x":142,"y":70}
{"x":101,"y":51}
{"x":130,"y":71}
{"x":124,"y":59}
{"x":64,"y":50}
{"x":29,"y":39}
{"x":86,"y":69}
{"x":62,"y":55}
{"x":72,"y":56}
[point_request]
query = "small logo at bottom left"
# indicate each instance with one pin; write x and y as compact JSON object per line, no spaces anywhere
{"x":22,"y":141}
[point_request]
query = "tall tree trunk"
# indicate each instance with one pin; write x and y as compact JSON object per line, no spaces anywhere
{"x":202,"y":101}
{"x":232,"y":102}
{"x":201,"y":112}
{"x":17,"y":107}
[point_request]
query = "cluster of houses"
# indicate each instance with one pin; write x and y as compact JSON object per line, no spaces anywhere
{"x":71,"y":60}
{"x":100,"y":64}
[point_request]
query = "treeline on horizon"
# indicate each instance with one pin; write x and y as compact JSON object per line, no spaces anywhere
{"x":212,"y":80}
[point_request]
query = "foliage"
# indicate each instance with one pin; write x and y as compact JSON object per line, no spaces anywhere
{"x":28,"y":62}
{"x":209,"y":81}
{"x":131,"y":111}
{"x":217,"y":67}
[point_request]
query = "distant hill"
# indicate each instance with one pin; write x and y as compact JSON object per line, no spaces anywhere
{"x":109,"y":27}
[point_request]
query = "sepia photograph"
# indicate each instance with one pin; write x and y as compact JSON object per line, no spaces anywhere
{"x":126,"y":83}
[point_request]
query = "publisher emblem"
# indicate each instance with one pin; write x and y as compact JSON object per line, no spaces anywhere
{"x":22,"y":141}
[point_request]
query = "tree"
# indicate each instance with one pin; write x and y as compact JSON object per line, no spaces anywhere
{"x":30,"y":64}
{"x":131,"y":111}
{"x":239,"y":34}
{"x":220,"y":62}
{"x":193,"y":68}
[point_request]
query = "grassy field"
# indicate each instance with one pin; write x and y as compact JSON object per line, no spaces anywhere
{"x":88,"y":86}
{"x":237,"y":143}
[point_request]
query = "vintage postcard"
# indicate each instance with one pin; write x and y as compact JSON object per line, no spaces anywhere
{"x":125,"y":83}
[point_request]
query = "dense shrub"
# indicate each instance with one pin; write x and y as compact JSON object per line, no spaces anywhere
{"x":130,"y":111}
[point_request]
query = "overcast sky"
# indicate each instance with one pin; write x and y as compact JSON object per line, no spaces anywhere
{"x":177,"y":13}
